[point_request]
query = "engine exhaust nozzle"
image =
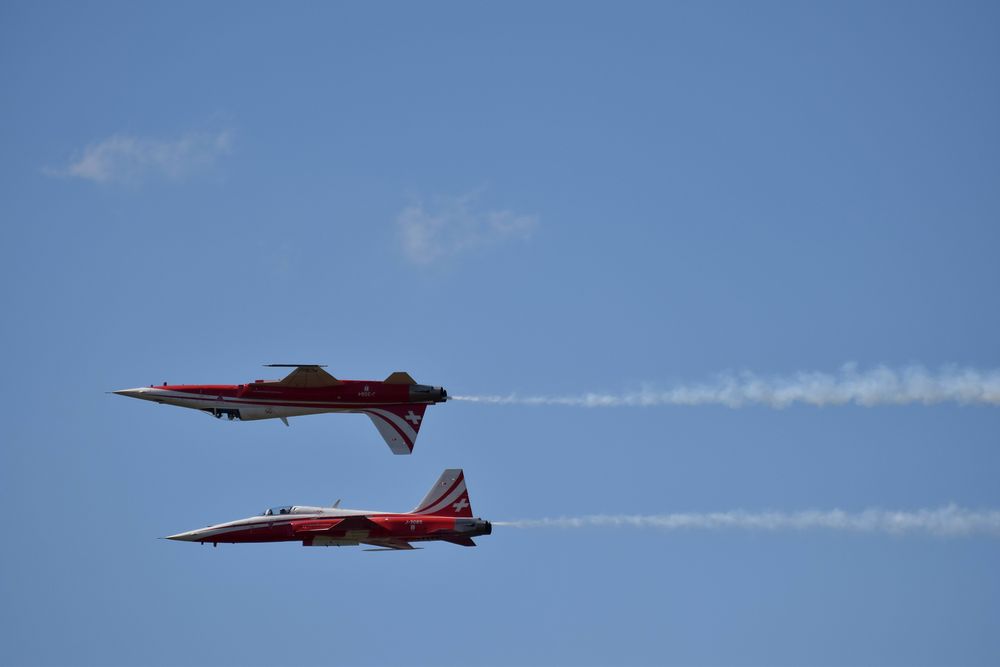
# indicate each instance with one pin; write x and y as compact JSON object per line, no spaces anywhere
{"x":422,"y":393}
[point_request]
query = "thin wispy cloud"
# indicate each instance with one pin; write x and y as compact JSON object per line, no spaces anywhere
{"x":123,"y":158}
{"x":948,"y":521}
{"x":450,"y":226}
{"x":878,"y":386}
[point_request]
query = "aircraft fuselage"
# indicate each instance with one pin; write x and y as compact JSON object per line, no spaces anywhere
{"x":270,"y":400}
{"x":333,"y":527}
{"x":395,"y":405}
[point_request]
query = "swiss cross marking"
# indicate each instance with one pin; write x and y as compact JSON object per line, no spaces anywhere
{"x":413,"y":418}
{"x":460,"y":505}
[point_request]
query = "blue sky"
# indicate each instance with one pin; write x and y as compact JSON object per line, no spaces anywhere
{"x":498,"y":198}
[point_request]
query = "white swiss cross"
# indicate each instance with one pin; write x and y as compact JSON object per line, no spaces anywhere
{"x":460,"y":505}
{"x":414,"y":418}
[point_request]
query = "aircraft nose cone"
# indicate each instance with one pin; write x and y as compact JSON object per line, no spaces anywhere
{"x":139,"y":392}
{"x":190,"y":536}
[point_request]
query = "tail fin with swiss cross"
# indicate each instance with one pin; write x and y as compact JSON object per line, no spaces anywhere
{"x":448,"y":496}
{"x":398,"y":425}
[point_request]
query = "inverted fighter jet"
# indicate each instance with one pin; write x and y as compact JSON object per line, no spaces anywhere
{"x":395,"y":405}
{"x":444,"y":514}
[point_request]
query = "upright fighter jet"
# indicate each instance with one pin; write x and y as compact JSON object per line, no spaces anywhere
{"x":395,"y":405}
{"x":444,"y":514}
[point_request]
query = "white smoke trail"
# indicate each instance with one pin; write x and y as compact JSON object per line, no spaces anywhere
{"x":948,"y":521}
{"x":878,"y":386}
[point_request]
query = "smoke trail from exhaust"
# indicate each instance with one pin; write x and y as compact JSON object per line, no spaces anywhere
{"x":948,"y":521}
{"x":879,"y":386}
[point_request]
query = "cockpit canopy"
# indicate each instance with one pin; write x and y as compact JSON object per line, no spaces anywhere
{"x":286,"y":509}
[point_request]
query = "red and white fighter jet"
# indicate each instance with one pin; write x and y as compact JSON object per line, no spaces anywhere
{"x":395,"y":405}
{"x":444,"y":514}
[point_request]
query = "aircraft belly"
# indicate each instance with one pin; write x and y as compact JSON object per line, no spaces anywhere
{"x":248,"y":411}
{"x":197,"y":403}
{"x":254,"y":412}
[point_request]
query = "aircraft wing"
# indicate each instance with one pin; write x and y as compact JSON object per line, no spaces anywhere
{"x":389,"y":545}
{"x":358,"y":522}
{"x":306,"y":376}
{"x":347,"y":524}
{"x":397,"y":424}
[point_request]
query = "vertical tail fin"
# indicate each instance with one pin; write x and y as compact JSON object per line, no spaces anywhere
{"x":448,"y":496}
{"x":397,"y":424}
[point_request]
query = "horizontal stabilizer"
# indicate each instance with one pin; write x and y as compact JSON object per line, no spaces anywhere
{"x":461,"y":541}
{"x":399,"y":377}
